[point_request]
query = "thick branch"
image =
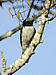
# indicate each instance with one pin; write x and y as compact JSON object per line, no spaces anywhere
{"x":54,"y":14}
{"x":50,"y":18}
{"x":10,"y":32}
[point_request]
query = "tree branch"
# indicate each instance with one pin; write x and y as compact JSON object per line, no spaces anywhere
{"x":54,"y":14}
{"x":30,"y":8}
{"x":10,"y":32}
{"x":3,"y":62}
{"x":35,"y":41}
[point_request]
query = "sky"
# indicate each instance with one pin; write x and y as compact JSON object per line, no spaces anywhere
{"x":43,"y":62}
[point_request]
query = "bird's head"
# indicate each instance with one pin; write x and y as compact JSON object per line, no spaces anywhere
{"x":27,"y":23}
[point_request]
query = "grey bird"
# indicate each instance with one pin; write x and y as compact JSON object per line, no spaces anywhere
{"x":1,"y":1}
{"x":26,"y":34}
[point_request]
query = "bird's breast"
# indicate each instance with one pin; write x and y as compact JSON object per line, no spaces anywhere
{"x":27,"y":33}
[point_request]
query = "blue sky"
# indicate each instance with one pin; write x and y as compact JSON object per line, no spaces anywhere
{"x":43,"y":62}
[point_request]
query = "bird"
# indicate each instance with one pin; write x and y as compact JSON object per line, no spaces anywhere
{"x":26,"y":34}
{"x":1,"y":1}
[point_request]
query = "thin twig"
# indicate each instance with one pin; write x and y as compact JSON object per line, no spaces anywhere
{"x":3,"y":61}
{"x":30,"y":8}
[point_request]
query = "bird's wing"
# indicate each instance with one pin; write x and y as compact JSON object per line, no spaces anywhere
{"x":21,"y":37}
